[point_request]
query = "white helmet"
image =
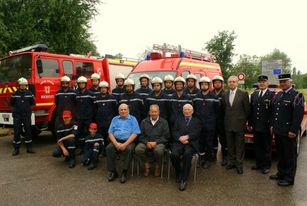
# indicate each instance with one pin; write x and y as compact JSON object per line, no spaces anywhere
{"x":156,"y":80}
{"x":128,"y":82}
{"x":65,"y":79}
{"x":82,"y":79}
{"x":217,"y":77}
{"x":144,"y":76}
{"x":95,"y":76}
{"x":120,"y":76}
{"x":169,"y":78}
{"x":104,"y":84}
{"x":191,"y":76}
{"x":204,"y":79}
{"x":179,"y":79}
{"x":22,"y":81}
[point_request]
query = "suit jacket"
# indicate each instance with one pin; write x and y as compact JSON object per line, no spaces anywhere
{"x":236,"y":115}
{"x":193,"y":130}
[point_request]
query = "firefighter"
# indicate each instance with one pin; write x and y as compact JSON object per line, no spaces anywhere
{"x":132,"y":99}
{"x":93,"y":146}
{"x":105,"y":109}
{"x":119,"y":90}
{"x":259,"y":124}
{"x":66,"y":132}
{"x":206,"y":106}
{"x":191,"y":90}
{"x":168,"y":85}
{"x":84,"y":110}
{"x":178,"y":100}
{"x":287,"y":115}
{"x":22,"y":102}
{"x":65,"y":99}
{"x":158,"y":97}
{"x":144,"y":91}
{"x":220,"y":135}
{"x":95,"y":79}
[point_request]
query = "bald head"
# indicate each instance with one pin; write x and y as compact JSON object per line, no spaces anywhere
{"x":188,"y":110}
{"x":123,"y":110}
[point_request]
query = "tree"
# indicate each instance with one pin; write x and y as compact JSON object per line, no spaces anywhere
{"x":279,"y":55}
{"x":61,"y":24}
{"x":222,"y":47}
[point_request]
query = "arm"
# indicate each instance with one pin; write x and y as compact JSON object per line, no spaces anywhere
{"x":164,"y":138}
{"x":64,"y":150}
{"x":246,"y":105}
{"x":298,"y":113}
{"x":143,"y":137}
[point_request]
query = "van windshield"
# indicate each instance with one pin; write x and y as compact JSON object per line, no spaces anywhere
{"x":135,"y":76}
{"x":14,"y":67}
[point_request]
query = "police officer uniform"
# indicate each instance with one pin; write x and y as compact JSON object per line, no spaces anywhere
{"x":63,"y":131}
{"x":260,"y":122}
{"x":22,"y":102}
{"x":287,"y":114}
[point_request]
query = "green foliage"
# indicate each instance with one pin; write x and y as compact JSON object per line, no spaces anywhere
{"x":222,"y":47}
{"x":61,"y":24}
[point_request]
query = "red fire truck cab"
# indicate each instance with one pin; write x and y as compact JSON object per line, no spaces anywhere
{"x":178,"y":63}
{"x":43,"y":71}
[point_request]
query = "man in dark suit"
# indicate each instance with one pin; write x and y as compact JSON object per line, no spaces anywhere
{"x":186,"y":132}
{"x":259,"y":124}
{"x":287,"y":115}
{"x":236,"y":107}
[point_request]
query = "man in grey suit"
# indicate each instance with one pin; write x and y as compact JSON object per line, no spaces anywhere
{"x":236,"y":107}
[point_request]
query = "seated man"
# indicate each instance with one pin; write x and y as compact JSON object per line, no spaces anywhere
{"x":93,"y":146}
{"x":66,"y":133}
{"x":186,"y":133}
{"x":123,"y":131}
{"x":154,"y":136}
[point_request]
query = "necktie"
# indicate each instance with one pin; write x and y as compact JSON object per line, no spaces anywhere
{"x":231,"y":97}
{"x":261,"y":93}
{"x":187,"y":120}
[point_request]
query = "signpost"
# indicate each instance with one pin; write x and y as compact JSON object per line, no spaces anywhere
{"x":241,"y":78}
{"x":272,"y":69}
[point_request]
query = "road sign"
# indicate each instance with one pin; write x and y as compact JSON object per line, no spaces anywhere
{"x":241,"y":76}
{"x":277,"y":71}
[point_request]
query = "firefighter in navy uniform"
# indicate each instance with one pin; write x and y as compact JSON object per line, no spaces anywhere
{"x":206,"y":106}
{"x":169,"y":85}
{"x":287,"y":114}
{"x":66,"y":132}
{"x":144,"y":92}
{"x":191,"y":90}
{"x":178,"y":100}
{"x":95,"y":79}
{"x":105,"y":109}
{"x":259,"y":124}
{"x":220,"y":135}
{"x":22,"y":102}
{"x":119,"y":90}
{"x":93,"y":146}
{"x":133,"y":100}
{"x":84,"y":110}
{"x":65,"y":99}
{"x":158,"y":97}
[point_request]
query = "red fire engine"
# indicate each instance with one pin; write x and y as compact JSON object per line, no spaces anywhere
{"x":43,"y":71}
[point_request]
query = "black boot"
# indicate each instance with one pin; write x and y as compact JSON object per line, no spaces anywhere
{"x":15,"y":151}
{"x":30,"y":149}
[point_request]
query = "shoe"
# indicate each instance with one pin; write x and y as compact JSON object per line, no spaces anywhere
{"x":182,"y":185}
{"x":265,"y":171}
{"x":275,"y":177}
{"x":123,"y":177}
{"x":229,"y":167}
{"x":255,"y":168}
{"x":72,"y":163}
{"x":224,"y":163}
{"x":206,"y":164}
{"x":284,"y":183}
{"x":112,"y":176}
{"x":15,"y":152}
{"x":91,"y":166}
{"x":240,"y":171}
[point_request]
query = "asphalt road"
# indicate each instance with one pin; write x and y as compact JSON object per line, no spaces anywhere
{"x":40,"y":179}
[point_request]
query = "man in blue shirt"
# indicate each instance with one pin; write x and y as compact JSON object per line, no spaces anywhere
{"x":123,"y":131}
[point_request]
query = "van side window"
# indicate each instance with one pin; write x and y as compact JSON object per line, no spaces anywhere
{"x":68,"y":68}
{"x":184,"y":74}
{"x":84,"y":69}
{"x":50,"y":68}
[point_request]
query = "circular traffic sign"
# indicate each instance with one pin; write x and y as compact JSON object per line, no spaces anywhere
{"x":241,"y":76}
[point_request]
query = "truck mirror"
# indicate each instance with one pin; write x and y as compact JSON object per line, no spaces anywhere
{"x":39,"y":66}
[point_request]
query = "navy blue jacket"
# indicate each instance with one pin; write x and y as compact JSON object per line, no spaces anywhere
{"x":192,"y":94}
{"x":135,"y":103}
{"x":105,"y":109}
{"x":84,"y":104}
{"x":162,"y":100}
{"x":64,"y":130}
{"x":22,"y":102}
{"x":65,"y":101}
{"x":169,"y":92}
{"x":176,"y":106}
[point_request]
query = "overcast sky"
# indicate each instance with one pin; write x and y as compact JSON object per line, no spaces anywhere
{"x":129,"y":26}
